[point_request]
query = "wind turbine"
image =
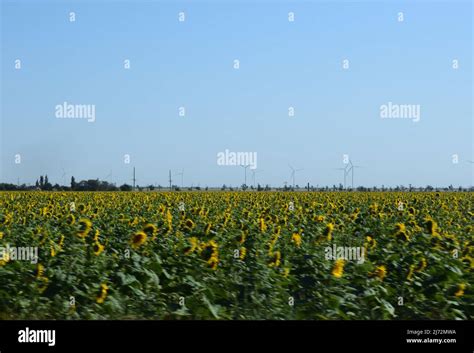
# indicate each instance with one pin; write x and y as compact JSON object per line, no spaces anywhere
{"x":182,"y":173}
{"x":245,"y":170}
{"x":293,"y":172}
{"x":64,"y":176}
{"x":351,"y":169}
{"x":255,"y":171}
{"x":345,"y":169}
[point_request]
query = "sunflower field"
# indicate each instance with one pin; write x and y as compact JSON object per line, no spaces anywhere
{"x":237,"y":255}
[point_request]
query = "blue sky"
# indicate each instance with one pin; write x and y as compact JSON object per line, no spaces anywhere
{"x":282,"y":64}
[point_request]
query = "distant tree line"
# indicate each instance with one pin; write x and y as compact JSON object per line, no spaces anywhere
{"x":340,"y":187}
{"x":42,"y":183}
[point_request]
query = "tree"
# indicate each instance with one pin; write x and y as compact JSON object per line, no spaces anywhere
{"x":47,"y":185}
{"x":73,"y":183}
{"x":41,"y":181}
{"x":125,"y":187}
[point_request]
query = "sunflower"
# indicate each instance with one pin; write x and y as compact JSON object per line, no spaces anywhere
{"x":318,"y":218}
{"x":150,"y":229}
{"x":468,"y":260}
{"x":169,"y":219}
{"x":102,"y":294}
{"x":98,"y":248}
{"x":96,"y":235}
{"x":401,"y":232}
{"x":39,"y":270}
{"x":328,"y":231}
{"x":1,"y":235}
{"x":400,"y":227}
{"x":431,"y":226}
{"x":226,"y":218}
{"x":380,"y":272}
{"x":139,"y":238}
{"x":276,"y":259}
{"x":373,"y":208}
{"x":208,"y":248}
{"x":338,"y":268}
{"x":371,"y":241}
{"x":242,"y":252}
{"x":193,"y":241}
{"x":6,"y":219}
{"x":422,"y":265}
{"x":41,"y":278}
{"x":210,"y":254}
{"x":70,"y":219}
{"x":85,"y":226}
{"x":61,"y":241}
{"x":207,"y":229}
{"x":213,"y":262}
{"x":44,"y":284}
{"x":134,"y":222}
{"x":296,"y":238}
{"x":262,"y":225}
{"x":52,"y":249}
{"x":460,"y":290}
{"x":242,"y":236}
{"x":4,"y":259}
{"x":189,"y":224}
